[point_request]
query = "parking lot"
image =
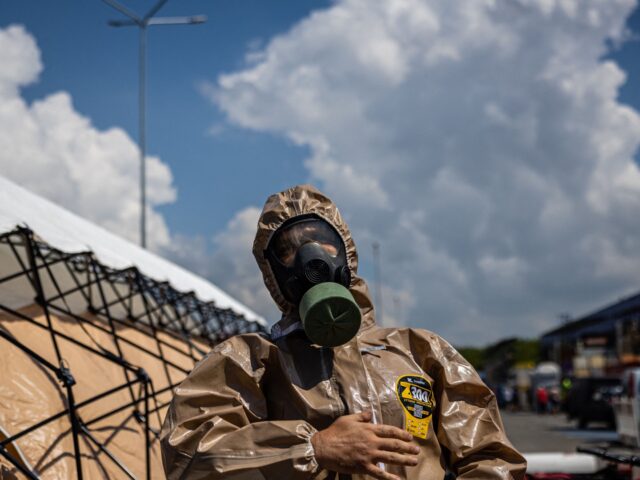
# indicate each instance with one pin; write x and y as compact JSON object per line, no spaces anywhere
{"x":530,"y":432}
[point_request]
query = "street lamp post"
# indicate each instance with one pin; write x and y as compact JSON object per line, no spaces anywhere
{"x":142,"y":23}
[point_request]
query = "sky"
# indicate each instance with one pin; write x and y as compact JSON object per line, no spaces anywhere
{"x":489,"y":146}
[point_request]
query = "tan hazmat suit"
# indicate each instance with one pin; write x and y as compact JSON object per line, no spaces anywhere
{"x":249,"y":408}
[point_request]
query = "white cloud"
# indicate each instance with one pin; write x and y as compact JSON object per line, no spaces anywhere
{"x":227,"y":260}
{"x":480,"y":141}
{"x":52,"y":149}
{"x":234,"y":265}
{"x":55,"y":151}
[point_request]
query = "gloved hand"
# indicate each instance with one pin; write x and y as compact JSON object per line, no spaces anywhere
{"x":354,"y":445}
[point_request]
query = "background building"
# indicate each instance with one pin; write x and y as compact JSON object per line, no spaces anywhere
{"x":601,"y":343}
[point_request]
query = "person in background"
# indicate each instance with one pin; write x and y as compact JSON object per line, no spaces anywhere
{"x":508,"y":394}
{"x":542,"y":399}
{"x":328,"y":393}
{"x":554,"y":399}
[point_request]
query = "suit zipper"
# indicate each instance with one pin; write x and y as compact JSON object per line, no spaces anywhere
{"x":340,"y":403}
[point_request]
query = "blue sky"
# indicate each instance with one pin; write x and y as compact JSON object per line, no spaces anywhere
{"x":488,"y":146}
{"x":215,"y":175}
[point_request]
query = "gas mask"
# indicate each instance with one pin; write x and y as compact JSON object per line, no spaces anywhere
{"x":309,"y":261}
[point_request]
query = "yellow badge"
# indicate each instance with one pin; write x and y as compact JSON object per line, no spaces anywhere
{"x":416,"y":397}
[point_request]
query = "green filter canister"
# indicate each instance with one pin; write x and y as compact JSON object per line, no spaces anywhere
{"x":330,"y":315}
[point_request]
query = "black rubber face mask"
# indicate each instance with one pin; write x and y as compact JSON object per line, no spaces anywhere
{"x":305,"y":252}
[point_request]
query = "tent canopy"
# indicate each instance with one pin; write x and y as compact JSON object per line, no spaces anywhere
{"x":68,"y":232}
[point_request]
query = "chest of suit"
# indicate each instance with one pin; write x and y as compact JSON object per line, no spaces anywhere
{"x":320,"y":384}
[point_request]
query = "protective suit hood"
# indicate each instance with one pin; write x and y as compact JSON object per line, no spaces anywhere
{"x":293,"y":202}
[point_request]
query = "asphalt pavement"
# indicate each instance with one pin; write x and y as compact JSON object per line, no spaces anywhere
{"x":531,"y":432}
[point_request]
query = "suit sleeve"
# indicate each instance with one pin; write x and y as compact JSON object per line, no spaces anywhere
{"x":469,"y":423}
{"x":217,"y":428}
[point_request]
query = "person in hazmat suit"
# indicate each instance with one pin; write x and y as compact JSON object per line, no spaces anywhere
{"x":329,"y":394}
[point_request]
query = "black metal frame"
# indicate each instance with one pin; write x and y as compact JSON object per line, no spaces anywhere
{"x":625,"y":455}
{"x":180,"y":314}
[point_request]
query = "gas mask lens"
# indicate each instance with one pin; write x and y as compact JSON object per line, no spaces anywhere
{"x":289,"y":239}
{"x":305,"y":252}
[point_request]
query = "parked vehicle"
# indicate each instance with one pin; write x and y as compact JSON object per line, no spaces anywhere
{"x":594,"y":399}
{"x":590,"y":400}
{"x":544,"y":379}
{"x":627,"y":409}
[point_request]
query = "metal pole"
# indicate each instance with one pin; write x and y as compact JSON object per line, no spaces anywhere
{"x":142,"y":136}
{"x":396,"y":304}
{"x":142,"y":23}
{"x":147,"y":440}
{"x":376,"y":279}
{"x":75,"y":429}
